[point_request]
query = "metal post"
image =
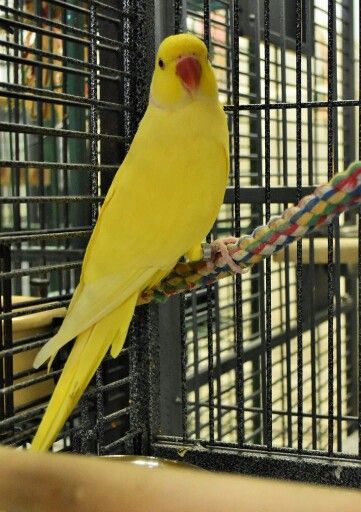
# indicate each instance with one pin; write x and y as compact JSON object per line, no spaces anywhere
{"x":349,"y":155}
{"x":143,"y":335}
{"x":168,"y":314}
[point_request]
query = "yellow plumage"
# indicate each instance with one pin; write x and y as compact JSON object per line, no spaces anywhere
{"x":163,"y":201}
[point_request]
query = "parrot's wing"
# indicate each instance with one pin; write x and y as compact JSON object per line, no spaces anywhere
{"x":93,"y":302}
{"x":115,"y":264}
{"x":155,"y":194}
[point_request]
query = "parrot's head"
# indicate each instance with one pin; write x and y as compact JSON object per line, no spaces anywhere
{"x":182,"y":72}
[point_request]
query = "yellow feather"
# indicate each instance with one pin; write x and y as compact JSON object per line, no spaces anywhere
{"x":163,"y":201}
{"x":88,"y":351}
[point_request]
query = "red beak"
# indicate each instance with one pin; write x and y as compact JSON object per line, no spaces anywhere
{"x":189,"y":70}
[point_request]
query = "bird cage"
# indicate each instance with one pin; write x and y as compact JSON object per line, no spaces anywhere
{"x":269,"y":359}
{"x":69,"y":79}
{"x":228,"y":374}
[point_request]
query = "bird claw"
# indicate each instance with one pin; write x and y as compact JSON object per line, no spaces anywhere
{"x":220,"y":246}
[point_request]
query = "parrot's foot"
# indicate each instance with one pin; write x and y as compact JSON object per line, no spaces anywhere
{"x":220,"y":246}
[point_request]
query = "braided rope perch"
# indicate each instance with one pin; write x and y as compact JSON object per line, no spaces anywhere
{"x":341,"y":193}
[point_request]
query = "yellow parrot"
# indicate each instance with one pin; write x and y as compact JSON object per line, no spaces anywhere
{"x":163,"y":201}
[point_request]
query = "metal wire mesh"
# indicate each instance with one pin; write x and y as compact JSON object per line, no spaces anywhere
{"x":271,"y":358}
{"x":67,"y":76}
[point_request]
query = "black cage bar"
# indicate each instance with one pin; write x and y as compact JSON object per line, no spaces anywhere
{"x":258,"y":373}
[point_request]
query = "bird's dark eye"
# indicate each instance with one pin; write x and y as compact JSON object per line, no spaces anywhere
{"x":161,"y":63}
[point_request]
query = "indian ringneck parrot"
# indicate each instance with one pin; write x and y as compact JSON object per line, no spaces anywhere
{"x":162,"y":203}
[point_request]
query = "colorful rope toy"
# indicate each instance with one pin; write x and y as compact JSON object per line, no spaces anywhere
{"x":341,"y":193}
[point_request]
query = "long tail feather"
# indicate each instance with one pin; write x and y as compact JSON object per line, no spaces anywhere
{"x":119,"y":338}
{"x":52,"y":347}
{"x":88,"y":351}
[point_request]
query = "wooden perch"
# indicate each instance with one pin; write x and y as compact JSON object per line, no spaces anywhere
{"x":31,"y":482}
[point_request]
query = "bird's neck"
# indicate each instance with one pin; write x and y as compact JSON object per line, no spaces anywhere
{"x":187,"y":100}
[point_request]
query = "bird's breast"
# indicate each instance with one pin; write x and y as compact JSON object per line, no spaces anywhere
{"x":171,"y":185}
